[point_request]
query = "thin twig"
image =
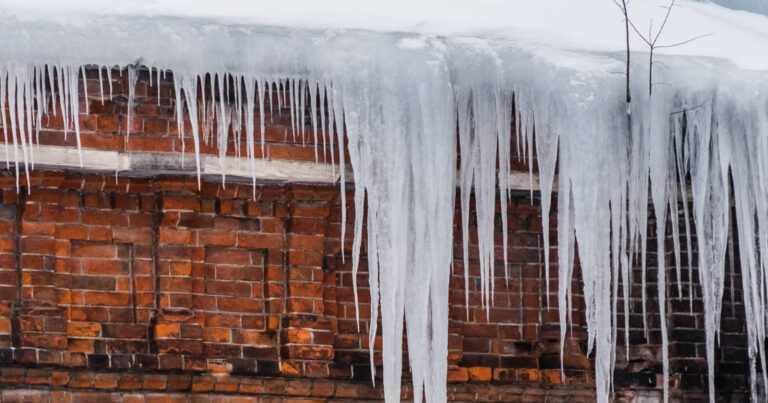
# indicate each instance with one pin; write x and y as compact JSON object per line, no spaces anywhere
{"x":623,"y":8}
{"x":688,"y":109}
{"x":683,"y":42}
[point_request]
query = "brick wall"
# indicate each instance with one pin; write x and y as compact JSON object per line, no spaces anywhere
{"x":152,"y":289}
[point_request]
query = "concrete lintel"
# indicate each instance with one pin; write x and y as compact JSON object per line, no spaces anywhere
{"x":237,"y":169}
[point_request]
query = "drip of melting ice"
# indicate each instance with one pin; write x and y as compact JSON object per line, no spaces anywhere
{"x":401,"y":104}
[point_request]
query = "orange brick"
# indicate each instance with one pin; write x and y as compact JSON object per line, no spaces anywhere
{"x":528,"y":375}
{"x":551,"y":377}
{"x":181,"y":268}
{"x":83,"y":329}
{"x":164,"y":330}
{"x":457,"y":374}
{"x":155,"y":382}
{"x":298,"y":336}
{"x":480,"y":374}
{"x":290,"y":368}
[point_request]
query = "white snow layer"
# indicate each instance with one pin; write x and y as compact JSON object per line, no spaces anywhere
{"x":554,"y":68}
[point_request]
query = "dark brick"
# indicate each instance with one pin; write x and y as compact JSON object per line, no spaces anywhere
{"x":267,"y":368}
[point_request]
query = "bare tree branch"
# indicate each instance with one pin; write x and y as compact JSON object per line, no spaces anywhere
{"x":683,"y":42}
{"x":688,"y":109}
{"x":623,"y":8}
{"x":663,"y":23}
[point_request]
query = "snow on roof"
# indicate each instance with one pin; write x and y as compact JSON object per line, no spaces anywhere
{"x":585,"y":25}
{"x":399,"y":96}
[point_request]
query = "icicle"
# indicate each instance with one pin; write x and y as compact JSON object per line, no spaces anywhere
{"x":331,"y":126}
{"x":38,"y":101}
{"x":313,"y":115}
{"x":302,"y":103}
{"x":400,"y":116}
{"x":81,"y":69}
{"x":15,"y":107}
{"x":109,"y":79}
{"x":44,"y":96}
{"x":262,"y":87}
{"x":190,"y":96}
{"x":323,"y":128}
{"x":291,"y":98}
{"x":52,"y":82}
{"x":222,"y":126}
{"x":63,"y":98}
{"x":101,"y":85}
{"x":3,"y":86}
{"x":75,"y":108}
{"x":271,"y":100}
{"x":250,"y":97}
{"x":132,"y":79}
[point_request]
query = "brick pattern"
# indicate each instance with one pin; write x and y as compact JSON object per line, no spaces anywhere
{"x":120,"y":277}
{"x":154,"y":126}
{"x":152,"y":274}
{"x":55,"y":385}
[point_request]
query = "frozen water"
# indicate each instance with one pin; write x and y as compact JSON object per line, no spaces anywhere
{"x":405,"y":101}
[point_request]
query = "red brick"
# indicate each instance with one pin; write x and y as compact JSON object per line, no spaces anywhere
{"x":300,"y":258}
{"x":306,"y":242}
{"x":38,"y":228}
{"x":155,"y":126}
{"x":108,"y":123}
{"x":272,"y":225}
{"x":101,"y":141}
{"x":24,"y":396}
{"x":92,"y":250}
{"x":155,"y":382}
{"x":142,"y":143}
{"x":71,"y":232}
{"x":131,"y":381}
{"x":38,"y":245}
{"x":132,"y":235}
{"x":105,"y":218}
{"x":291,"y":152}
{"x":105,"y":381}
{"x":175,"y":236}
{"x":189,"y":203}
{"x":310,"y":210}
{"x":218,"y":238}
{"x":457,"y":374}
{"x":260,"y":241}
{"x":106,"y":299}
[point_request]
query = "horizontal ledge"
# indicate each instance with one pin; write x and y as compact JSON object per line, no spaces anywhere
{"x":236,"y":169}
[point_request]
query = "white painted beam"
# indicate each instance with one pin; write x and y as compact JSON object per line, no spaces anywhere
{"x":237,"y":169}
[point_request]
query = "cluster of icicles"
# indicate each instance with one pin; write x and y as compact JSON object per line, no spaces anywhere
{"x":400,"y":120}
